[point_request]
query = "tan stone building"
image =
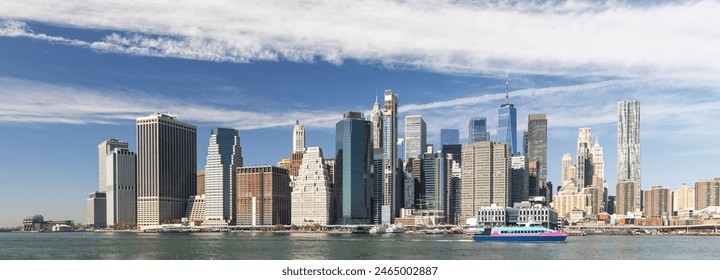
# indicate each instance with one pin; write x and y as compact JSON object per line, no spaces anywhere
{"x":707,"y":193}
{"x":485,"y":177}
{"x":657,"y":202}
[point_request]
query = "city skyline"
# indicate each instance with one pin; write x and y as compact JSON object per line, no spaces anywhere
{"x":74,"y":79}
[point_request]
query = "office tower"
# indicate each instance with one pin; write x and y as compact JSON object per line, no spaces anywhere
{"x":485,"y":177}
{"x":610,"y":206}
{"x":390,"y":166}
{"x":263,"y":196}
{"x":96,"y":208}
{"x":520,"y":189}
{"x":353,"y":165}
{"x":625,"y":198}
{"x":536,"y":151}
{"x":566,"y":164}
{"x":455,"y":194}
{"x":200,"y":183}
{"x":330,"y":166}
{"x":105,"y":148}
{"x":658,"y":202}
{"x":533,"y":189}
{"x":166,"y":169}
{"x":684,"y":198}
{"x":628,"y":149}
{"x":707,"y":193}
{"x":120,"y":186}
{"x":507,"y":122}
{"x":598,"y":165}
{"x":377,"y":119}
{"x":477,"y":130}
{"x":415,"y":136}
{"x":408,"y":190}
{"x":453,"y":149}
{"x":223,"y":158}
{"x":435,"y":175}
{"x":298,"y":137}
{"x":311,"y":193}
{"x":584,"y":165}
{"x":449,"y":136}
{"x":377,"y":187}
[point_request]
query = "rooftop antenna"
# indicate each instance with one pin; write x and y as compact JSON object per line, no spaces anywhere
{"x":507,"y":88}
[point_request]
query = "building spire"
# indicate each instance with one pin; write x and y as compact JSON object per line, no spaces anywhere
{"x":507,"y":88}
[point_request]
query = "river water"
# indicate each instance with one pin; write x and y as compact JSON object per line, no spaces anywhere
{"x":321,"y":246}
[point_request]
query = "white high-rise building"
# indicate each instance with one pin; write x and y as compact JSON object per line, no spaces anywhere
{"x":415,"y":136}
{"x":105,"y":148}
{"x":166,"y":169}
{"x":120,"y":187}
{"x":377,"y":118}
{"x":628,"y":150}
{"x":223,"y":158}
{"x":566,"y":164}
{"x":311,"y":195}
{"x":298,"y":137}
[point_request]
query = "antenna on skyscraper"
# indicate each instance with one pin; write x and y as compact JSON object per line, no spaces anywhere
{"x":507,"y":88}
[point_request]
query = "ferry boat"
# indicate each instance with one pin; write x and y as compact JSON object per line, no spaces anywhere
{"x":519,"y":234}
{"x":378,"y":230}
{"x":398,"y":228}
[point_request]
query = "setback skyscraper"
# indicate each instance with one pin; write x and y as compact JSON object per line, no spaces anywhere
{"x":311,"y":193}
{"x":628,"y":151}
{"x":166,"y":168}
{"x":223,"y":158}
{"x":298,"y":137}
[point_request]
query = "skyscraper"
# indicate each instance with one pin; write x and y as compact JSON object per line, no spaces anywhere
{"x":507,"y":122}
{"x":486,"y":171}
{"x":390,"y":154}
{"x":520,"y":188}
{"x":298,"y":137}
{"x":566,"y":173}
{"x":415,"y":136}
{"x":707,"y":193}
{"x":628,"y":150}
{"x":166,"y":168}
{"x":536,"y":150}
{"x":449,"y":136}
{"x":311,"y":193}
{"x":684,"y":198}
{"x":105,"y":148}
{"x":584,"y":159}
{"x":658,"y":202}
{"x":477,"y":130}
{"x":96,"y":210}
{"x":353,"y":165}
{"x":223,"y":158}
{"x":120,"y":186}
{"x":263,"y":196}
{"x":377,"y":119}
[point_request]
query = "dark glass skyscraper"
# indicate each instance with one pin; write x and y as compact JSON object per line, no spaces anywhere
{"x":353,"y":162}
{"x":449,"y":136}
{"x":478,"y":130}
{"x":536,"y":149}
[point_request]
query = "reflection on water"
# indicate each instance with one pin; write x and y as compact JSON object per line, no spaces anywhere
{"x":321,"y":246}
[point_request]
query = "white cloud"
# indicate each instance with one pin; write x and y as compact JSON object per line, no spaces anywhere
{"x":556,"y":38}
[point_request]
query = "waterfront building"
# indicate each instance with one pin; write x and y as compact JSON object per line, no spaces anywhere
{"x":536,"y":143}
{"x":658,"y":202}
{"x":298,"y":137}
{"x":263,"y":196}
{"x":96,"y":210}
{"x":453,"y":216}
{"x":520,"y":214}
{"x":628,"y":154}
{"x":486,"y":171}
{"x":625,"y":202}
{"x":391,"y":199}
{"x":196,"y":210}
{"x":353,"y":165}
{"x":569,"y":199}
{"x":507,"y":123}
{"x":477,"y":130}
{"x":707,"y":193}
{"x":166,"y":168}
{"x":684,"y":198}
{"x":35,"y":223}
{"x":519,"y":190}
{"x":435,"y":177}
{"x":595,"y":199}
{"x":311,"y":193}
{"x":223,"y":158}
{"x":449,"y":136}
{"x":105,"y":148}
{"x":120,"y":186}
{"x":200,"y":187}
{"x":415,"y":136}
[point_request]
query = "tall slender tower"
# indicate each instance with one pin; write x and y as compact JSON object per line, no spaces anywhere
{"x":390,"y":153}
{"x":507,"y":121}
{"x":376,"y":116}
{"x":353,"y":165}
{"x":166,"y":168}
{"x":628,"y":150}
{"x":223,"y":158}
{"x":298,"y":138}
{"x":415,"y":136}
{"x":121,"y":188}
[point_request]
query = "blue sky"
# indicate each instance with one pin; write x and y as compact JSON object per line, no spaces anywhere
{"x":75,"y":74}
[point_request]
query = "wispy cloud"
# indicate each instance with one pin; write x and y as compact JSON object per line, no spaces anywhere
{"x":554,"y":37}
